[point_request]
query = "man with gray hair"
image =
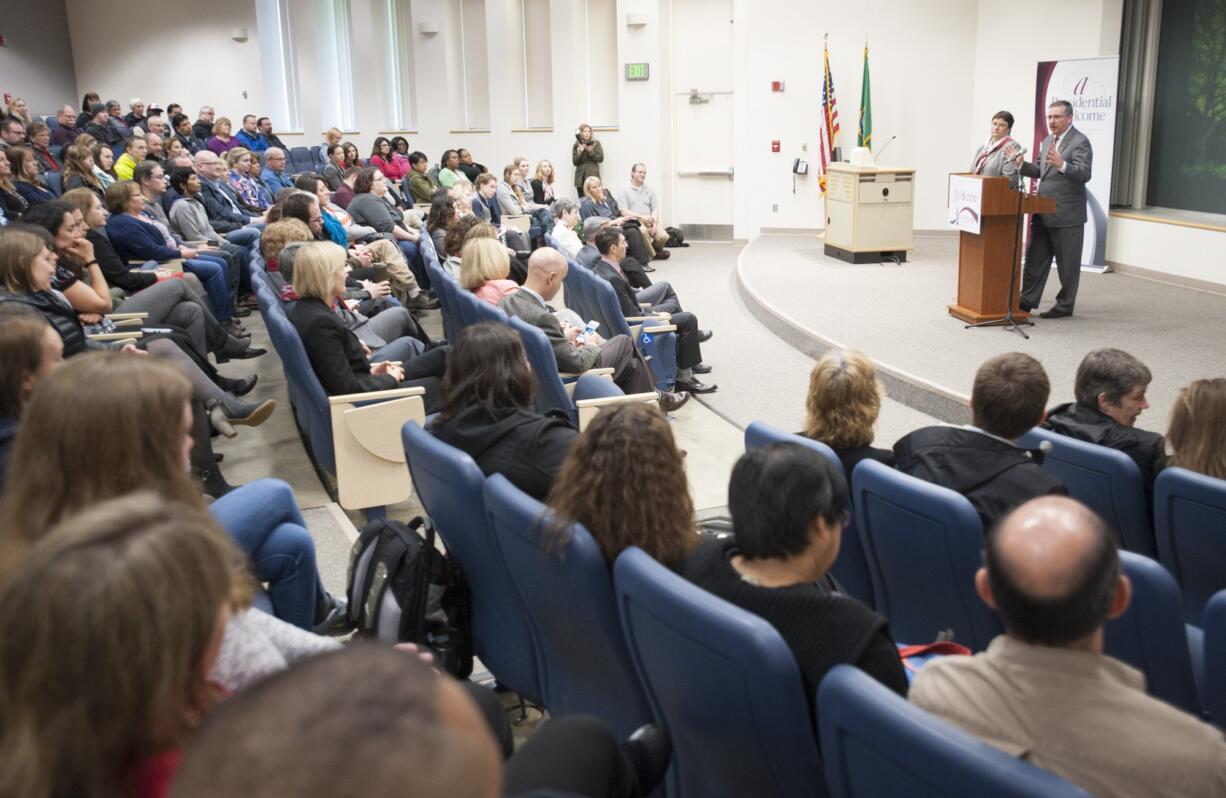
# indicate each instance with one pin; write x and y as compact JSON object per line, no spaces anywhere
{"x":1044,"y":690}
{"x":155,"y":125}
{"x":1110,"y":391}
{"x":273,"y":174}
{"x":136,"y":113}
{"x":66,"y":131}
{"x":203,"y":126}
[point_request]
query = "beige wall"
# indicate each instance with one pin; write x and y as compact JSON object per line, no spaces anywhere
{"x":36,"y":62}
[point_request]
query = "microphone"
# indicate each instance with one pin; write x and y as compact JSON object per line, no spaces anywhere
{"x":888,"y":143}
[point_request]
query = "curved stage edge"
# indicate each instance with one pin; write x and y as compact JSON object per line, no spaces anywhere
{"x":926,"y":360}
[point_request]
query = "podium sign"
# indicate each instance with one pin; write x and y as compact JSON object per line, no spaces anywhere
{"x":965,"y":203}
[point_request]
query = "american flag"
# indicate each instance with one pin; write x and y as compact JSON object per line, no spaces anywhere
{"x":830,"y":123}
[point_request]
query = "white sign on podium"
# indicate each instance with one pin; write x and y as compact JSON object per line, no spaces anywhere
{"x":965,"y":203}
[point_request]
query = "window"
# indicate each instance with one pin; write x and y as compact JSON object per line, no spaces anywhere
{"x":602,"y":73}
{"x":277,"y":63}
{"x":398,"y":21}
{"x":471,"y":63}
{"x":332,"y":30}
{"x":537,"y":64}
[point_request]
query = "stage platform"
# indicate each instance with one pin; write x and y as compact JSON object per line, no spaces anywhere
{"x":897,"y":315}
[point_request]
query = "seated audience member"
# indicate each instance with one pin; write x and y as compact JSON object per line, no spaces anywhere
{"x":186,"y":134}
{"x":370,"y":209}
{"x":470,"y":169}
{"x":546,"y":271}
{"x":401,"y":729}
{"x":136,"y":112}
{"x":789,"y":507}
{"x":172,"y":149}
{"x":273,"y":174}
{"x":449,"y":169}
{"x":624,"y":480}
{"x":660,"y":298}
{"x":420,"y":188}
{"x":128,"y":658}
{"x":264,"y":125}
{"x":203,"y":127}
{"x":66,"y":131}
{"x":250,"y":136}
{"x":175,"y":108}
{"x":221,"y":141}
{"x":153,"y":147}
{"x":252,"y":195}
{"x":226,"y":214}
{"x":982,"y":461}
{"x":542,"y":184}
{"x":485,"y":202}
{"x":12,"y":203}
{"x":381,"y":158}
{"x":442,"y":213}
{"x":104,"y":162}
{"x":30,"y":349}
{"x":115,"y":119}
{"x":352,"y":157}
{"x":16,"y":108}
{"x":78,"y":171}
{"x":353,"y":232}
{"x":134,"y":151}
{"x":87,"y":102}
{"x":1044,"y":690}
{"x":343,"y":194}
{"x":156,"y":125}
{"x":599,"y":204}
{"x":26,"y":178}
{"x":40,"y":143}
{"x":484,"y":268}
{"x":487,"y":411}
{"x":334,"y":169}
{"x":458,"y":232}
{"x":1197,"y":432}
{"x":340,"y":360}
{"x":565,"y":217}
{"x":400,"y":146}
{"x":12,"y":133}
{"x":1110,"y":392}
{"x":523,"y":170}
{"x":842,"y":406}
{"x":100,"y":128}
{"x":639,"y":201}
{"x":331,"y":138}
{"x":512,"y":201}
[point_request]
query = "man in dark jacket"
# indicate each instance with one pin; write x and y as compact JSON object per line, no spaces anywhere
{"x":1110,"y":392}
{"x":100,"y":126}
{"x":225,"y":212}
{"x":660,"y":298}
{"x":982,"y":461}
{"x":203,"y":127}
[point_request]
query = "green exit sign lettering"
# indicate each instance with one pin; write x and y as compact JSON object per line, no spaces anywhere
{"x":636,"y":71}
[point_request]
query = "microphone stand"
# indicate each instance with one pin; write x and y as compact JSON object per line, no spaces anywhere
{"x":1008,"y":321}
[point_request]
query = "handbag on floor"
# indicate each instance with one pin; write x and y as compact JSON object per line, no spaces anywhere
{"x":402,"y":589}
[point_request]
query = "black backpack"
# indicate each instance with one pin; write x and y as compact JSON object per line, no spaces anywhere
{"x":676,"y":238}
{"x":404,"y":590}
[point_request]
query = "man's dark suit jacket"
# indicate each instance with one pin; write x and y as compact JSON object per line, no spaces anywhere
{"x":221,"y":214}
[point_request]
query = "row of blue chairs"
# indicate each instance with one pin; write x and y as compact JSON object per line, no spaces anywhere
{"x":641,"y":645}
{"x":921,"y":545}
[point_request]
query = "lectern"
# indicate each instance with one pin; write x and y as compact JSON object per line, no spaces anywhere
{"x":985,"y":259}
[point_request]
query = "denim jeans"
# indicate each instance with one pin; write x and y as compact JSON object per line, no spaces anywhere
{"x":212,"y":274}
{"x":263,"y":519}
{"x":244,"y":236}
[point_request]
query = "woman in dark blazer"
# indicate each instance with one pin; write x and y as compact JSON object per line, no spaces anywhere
{"x":29,"y":183}
{"x":842,"y":407}
{"x":343,"y":364}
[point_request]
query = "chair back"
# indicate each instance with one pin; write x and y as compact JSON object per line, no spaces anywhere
{"x":300,"y":160}
{"x":568,"y":592}
{"x":578,"y":295}
{"x":923,"y":545}
{"x":1151,"y":636}
{"x":1215,"y":658}
{"x":722,"y":682}
{"x":551,"y":393}
{"x":851,"y":568}
{"x":601,"y":302}
{"x":1105,"y":480}
{"x":1190,"y":528}
{"x":54,"y":182}
{"x":451,"y":488}
{"x":445,"y":288}
{"x":875,"y":743}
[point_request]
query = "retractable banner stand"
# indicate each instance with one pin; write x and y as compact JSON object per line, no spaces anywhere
{"x":1090,"y":84}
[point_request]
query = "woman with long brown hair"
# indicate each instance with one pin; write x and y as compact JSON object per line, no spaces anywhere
{"x":120,"y":613}
{"x":78,"y":170}
{"x":625,"y":482}
{"x":134,"y":434}
{"x":1197,"y":432}
{"x":30,"y":349}
{"x":26,"y":176}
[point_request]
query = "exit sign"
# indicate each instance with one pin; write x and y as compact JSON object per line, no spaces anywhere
{"x":636,"y":71}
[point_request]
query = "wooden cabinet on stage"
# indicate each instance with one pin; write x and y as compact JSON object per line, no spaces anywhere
{"x":987,"y":260}
{"x":869,"y":212}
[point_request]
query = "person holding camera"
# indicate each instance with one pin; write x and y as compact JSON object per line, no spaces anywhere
{"x":586,"y":155}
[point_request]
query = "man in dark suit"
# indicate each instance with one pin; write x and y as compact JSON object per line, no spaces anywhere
{"x":1063,"y":170}
{"x":225,"y":212}
{"x":659,"y":298}
{"x":546,"y":270}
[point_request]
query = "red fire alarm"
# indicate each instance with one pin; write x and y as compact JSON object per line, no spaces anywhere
{"x":775,"y":145}
{"x":776,"y":85}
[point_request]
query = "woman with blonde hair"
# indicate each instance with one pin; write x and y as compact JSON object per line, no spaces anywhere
{"x":340,"y":360}
{"x":542,"y":184}
{"x":842,"y":406}
{"x":18,"y":110}
{"x":624,"y":480}
{"x":485,"y":269}
{"x":26,"y":177}
{"x":133,"y":600}
{"x":221,"y":141}
{"x":1197,"y":432}
{"x":78,"y":170}
{"x":252,"y":194}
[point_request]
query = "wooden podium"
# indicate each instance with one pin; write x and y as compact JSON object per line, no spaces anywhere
{"x":985,"y":260}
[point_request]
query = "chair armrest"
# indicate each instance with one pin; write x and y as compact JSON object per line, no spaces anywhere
{"x":588,"y":408}
{"x":118,"y":316}
{"x":660,"y":330}
{"x":574,"y":375}
{"x":174,"y":264}
{"x":376,"y":396}
{"x":123,"y":336}
{"x":126,"y":322}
